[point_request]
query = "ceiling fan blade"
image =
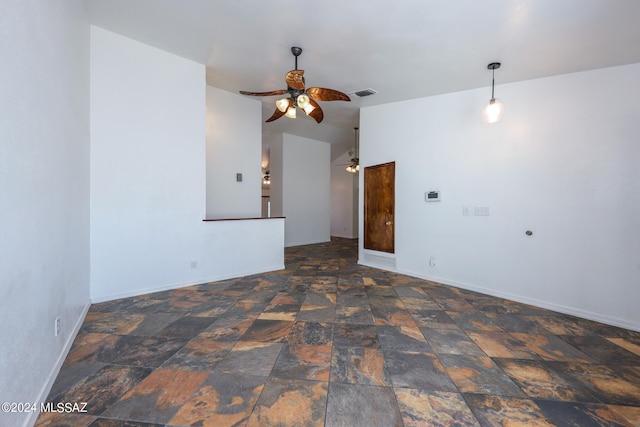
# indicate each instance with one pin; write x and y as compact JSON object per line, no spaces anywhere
{"x":276,"y":115}
{"x":324,"y":94}
{"x":317,"y":114}
{"x":271,"y":93}
{"x":294,"y":79}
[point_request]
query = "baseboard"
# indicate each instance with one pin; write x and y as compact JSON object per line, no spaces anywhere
{"x":344,"y":237}
{"x":168,"y":287}
{"x":46,"y":388}
{"x":292,"y":244}
{"x":572,"y":311}
{"x":547,"y":305}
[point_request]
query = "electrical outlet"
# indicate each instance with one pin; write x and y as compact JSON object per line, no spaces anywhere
{"x":194,"y":265}
{"x":465,"y":211}
{"x":57,"y":327}
{"x":432,"y":261}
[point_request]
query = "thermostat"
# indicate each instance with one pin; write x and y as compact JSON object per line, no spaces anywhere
{"x":432,"y":196}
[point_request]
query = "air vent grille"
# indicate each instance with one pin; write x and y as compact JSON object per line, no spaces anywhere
{"x":364,"y":92}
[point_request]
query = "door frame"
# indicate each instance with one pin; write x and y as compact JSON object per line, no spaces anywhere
{"x":387,"y":217}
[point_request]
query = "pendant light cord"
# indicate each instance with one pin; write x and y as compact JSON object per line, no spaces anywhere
{"x":493,"y":81}
{"x":357,"y":155}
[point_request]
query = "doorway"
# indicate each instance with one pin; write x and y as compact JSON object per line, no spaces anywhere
{"x":379,"y":207}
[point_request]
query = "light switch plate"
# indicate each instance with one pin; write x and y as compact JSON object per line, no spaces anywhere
{"x":482,"y":211}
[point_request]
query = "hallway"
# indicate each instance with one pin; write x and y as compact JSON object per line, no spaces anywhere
{"x":329,"y":342}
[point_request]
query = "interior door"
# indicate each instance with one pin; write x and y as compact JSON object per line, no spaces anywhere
{"x":379,"y":207}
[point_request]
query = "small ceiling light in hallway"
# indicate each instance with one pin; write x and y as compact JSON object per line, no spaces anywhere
{"x":354,"y":163}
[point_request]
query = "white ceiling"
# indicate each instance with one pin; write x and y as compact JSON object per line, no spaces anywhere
{"x":403,"y":49}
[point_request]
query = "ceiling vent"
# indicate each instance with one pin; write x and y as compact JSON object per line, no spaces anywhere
{"x":364,"y":92}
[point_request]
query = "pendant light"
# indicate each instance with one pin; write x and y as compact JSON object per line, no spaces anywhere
{"x":354,"y":163}
{"x":494,"y":110}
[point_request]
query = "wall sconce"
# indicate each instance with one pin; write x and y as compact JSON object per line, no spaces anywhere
{"x":494,"y":110}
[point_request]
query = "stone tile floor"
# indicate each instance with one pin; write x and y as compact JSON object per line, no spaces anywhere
{"x":329,"y":342}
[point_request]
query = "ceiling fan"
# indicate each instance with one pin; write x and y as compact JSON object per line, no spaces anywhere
{"x":354,"y":162}
{"x":299,"y":96}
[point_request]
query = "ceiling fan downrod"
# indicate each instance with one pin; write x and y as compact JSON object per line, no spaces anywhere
{"x":296,"y":52}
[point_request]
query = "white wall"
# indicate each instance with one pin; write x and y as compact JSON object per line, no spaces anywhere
{"x":344,"y":200}
{"x":44,"y":193}
{"x":234,"y":145}
{"x":148,"y":178}
{"x":300,"y":189}
{"x":564,"y":163}
{"x":276,"y":168}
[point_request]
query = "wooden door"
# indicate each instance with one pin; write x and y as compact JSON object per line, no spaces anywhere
{"x":379,"y":207}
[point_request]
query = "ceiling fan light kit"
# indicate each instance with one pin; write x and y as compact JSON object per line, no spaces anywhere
{"x":282,"y":104}
{"x":303,"y":101}
{"x":299,"y":95}
{"x":308,"y":109}
{"x":494,"y":110}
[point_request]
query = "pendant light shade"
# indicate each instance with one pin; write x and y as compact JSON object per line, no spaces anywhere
{"x":494,"y":110}
{"x":291,"y":112}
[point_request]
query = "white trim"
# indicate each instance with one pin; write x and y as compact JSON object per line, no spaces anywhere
{"x":343,"y":237}
{"x":46,"y":388}
{"x":613,"y":321}
{"x":292,"y":244}
{"x":167,"y":287}
{"x":572,"y":311}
